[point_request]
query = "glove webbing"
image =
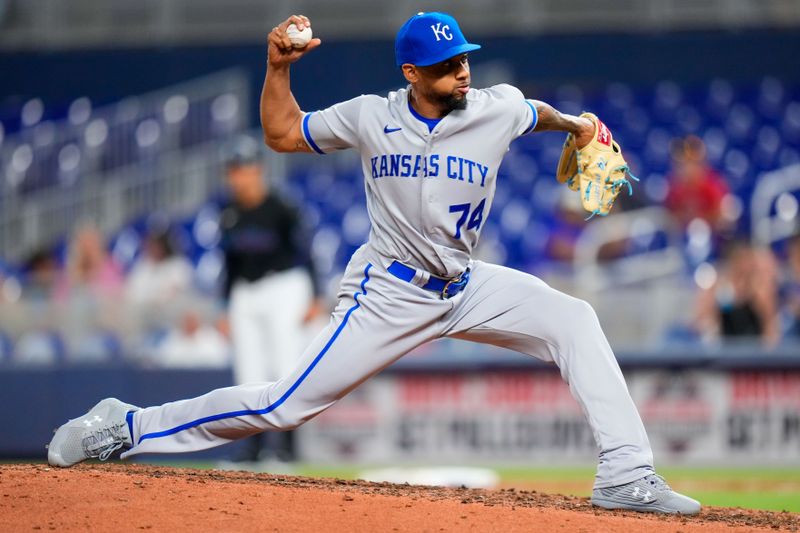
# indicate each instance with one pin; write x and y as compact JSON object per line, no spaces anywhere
{"x":622,"y":181}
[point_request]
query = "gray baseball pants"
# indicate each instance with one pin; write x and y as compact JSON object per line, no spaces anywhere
{"x":378,"y":319}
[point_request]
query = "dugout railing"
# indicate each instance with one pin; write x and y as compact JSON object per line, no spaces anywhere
{"x":774,"y":210}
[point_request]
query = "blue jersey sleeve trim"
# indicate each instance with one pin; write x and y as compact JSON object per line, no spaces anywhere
{"x":287,"y":394}
{"x":307,"y":135}
{"x":535,"y":118}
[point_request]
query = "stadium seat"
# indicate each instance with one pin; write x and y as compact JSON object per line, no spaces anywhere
{"x":6,"y":348}
{"x":748,"y":129}
{"x":39,"y":348}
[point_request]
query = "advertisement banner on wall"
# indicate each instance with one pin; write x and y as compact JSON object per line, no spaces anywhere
{"x":690,"y":415}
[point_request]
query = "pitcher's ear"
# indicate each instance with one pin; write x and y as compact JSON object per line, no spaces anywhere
{"x":410,"y":73}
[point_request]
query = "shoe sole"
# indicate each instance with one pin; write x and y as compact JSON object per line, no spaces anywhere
{"x":611,"y":505}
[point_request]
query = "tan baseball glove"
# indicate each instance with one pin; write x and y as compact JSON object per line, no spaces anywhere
{"x":597,"y":170}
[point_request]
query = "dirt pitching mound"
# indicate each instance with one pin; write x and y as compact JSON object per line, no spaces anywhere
{"x":120,"y":497}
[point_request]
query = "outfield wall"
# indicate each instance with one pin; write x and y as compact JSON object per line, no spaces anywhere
{"x":731,"y":417}
{"x":454,"y":402}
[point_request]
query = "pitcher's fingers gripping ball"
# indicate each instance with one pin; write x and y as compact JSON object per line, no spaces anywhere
{"x":598,"y":170}
{"x":292,"y":39}
{"x":299,"y":38}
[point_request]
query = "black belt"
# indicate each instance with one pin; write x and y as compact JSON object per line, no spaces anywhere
{"x":447,"y":288}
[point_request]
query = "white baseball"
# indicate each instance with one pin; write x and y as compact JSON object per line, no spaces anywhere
{"x":299,"y":38}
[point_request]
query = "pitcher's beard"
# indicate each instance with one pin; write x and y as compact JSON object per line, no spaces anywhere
{"x":453,"y":102}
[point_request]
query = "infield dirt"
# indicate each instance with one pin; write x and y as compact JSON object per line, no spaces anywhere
{"x":124,"y":497}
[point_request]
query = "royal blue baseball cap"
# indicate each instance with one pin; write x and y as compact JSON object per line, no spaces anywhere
{"x":428,"y":38}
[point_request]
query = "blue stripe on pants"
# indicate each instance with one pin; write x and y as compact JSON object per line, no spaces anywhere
{"x":286,"y":395}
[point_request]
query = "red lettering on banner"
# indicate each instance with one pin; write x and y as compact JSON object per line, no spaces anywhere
{"x":438,"y":391}
{"x":348,"y":416}
{"x":765,"y":389}
{"x":504,"y":390}
{"x":491,"y":391}
{"x":540,"y":391}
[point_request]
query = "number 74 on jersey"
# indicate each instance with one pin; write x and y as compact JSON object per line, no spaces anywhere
{"x":475,"y":219}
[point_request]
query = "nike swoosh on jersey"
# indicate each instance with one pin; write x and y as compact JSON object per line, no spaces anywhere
{"x":387,"y":129}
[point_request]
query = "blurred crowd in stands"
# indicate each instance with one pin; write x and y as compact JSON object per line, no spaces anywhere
{"x":152,"y":294}
{"x":84,"y":302}
{"x":85,"y":306}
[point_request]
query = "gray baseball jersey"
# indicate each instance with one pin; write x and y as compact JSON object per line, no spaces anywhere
{"x":428,"y":193}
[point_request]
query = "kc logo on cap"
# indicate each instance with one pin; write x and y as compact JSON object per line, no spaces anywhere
{"x":440,"y":31}
{"x":428,"y":38}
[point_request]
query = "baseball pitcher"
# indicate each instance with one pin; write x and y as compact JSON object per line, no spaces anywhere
{"x":430,"y":154}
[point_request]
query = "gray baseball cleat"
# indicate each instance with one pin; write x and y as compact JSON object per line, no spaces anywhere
{"x":648,"y":494}
{"x":97,"y":434}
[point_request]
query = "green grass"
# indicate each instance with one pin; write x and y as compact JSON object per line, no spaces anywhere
{"x":751,"y":488}
{"x":769,"y":501}
{"x":774,"y":489}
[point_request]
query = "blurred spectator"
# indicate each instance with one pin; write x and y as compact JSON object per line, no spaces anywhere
{"x":766,"y":287}
{"x":792,"y":289}
{"x":742,"y":302}
{"x":160,"y":275}
{"x":10,"y":288}
{"x":89,"y":290}
{"x":42,"y":272}
{"x":194,"y":344}
{"x":695,"y":190}
{"x":90,"y":270}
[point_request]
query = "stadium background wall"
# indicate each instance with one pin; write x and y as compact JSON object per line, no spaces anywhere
{"x":539,"y":63}
{"x":506,"y":408}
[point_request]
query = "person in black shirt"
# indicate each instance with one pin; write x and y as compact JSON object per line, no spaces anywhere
{"x":791,"y":289}
{"x":742,"y":301}
{"x":270,"y":282}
